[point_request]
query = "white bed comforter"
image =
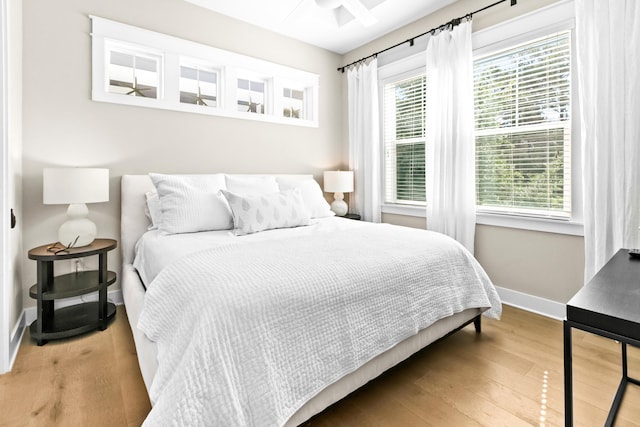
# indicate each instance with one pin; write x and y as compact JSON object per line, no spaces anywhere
{"x":248,"y":333}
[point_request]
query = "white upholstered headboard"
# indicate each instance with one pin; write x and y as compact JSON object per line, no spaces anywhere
{"x":133,"y":221}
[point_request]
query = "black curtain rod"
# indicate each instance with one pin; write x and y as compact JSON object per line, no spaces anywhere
{"x":453,"y":23}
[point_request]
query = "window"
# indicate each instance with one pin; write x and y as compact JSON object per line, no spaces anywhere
{"x":143,"y":68}
{"x":133,"y":74}
{"x":523,"y":129}
{"x":293,"y":103}
{"x":251,"y":96}
{"x":404,"y":140}
{"x":294,"y":100}
{"x":199,"y":86}
{"x":527,"y":144}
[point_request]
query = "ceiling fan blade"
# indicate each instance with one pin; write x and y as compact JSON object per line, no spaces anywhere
{"x":360,"y":11}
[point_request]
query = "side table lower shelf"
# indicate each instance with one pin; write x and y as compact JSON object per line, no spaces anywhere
{"x":72,"y":320}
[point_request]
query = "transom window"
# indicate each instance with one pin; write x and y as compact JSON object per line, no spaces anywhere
{"x":138,"y":67}
{"x":251,"y":96}
{"x":133,"y":74}
{"x":293,"y":103}
{"x":199,"y":86}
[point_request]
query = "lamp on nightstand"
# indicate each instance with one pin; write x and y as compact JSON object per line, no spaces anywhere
{"x":338,"y":182}
{"x":75,"y":186}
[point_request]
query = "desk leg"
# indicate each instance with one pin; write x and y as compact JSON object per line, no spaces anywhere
{"x":568,"y":377}
{"x":617,"y":400}
{"x":624,"y":360}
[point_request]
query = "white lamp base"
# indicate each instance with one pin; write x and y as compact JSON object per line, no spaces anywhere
{"x":77,"y":226}
{"x":339,"y":206}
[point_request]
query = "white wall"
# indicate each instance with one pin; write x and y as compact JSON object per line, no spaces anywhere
{"x":545,"y":265}
{"x":62,"y":126}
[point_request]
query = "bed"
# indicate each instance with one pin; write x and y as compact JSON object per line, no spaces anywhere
{"x":167,"y":296}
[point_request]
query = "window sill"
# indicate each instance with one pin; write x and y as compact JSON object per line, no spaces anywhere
{"x":572,"y":228}
{"x":408,"y":210}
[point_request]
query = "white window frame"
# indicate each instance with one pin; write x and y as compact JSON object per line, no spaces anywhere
{"x":129,"y":49}
{"x":545,"y":21}
{"x":252,"y":77}
{"x":307,"y":105}
{"x":206,"y":66}
{"x":175,"y":51}
{"x":540,"y":23}
{"x":411,"y":66}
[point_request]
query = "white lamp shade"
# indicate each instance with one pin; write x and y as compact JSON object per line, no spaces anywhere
{"x":62,"y":186}
{"x":338,"y":181}
{"x":75,"y":186}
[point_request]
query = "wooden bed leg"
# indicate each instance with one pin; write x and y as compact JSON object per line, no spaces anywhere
{"x":477,"y":323}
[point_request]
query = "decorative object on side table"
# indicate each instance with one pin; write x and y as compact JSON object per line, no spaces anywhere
{"x":353,"y":216}
{"x":75,"y":319}
{"x":338,"y":182}
{"x":75,"y":186}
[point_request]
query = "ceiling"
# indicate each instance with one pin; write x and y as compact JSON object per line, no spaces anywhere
{"x":337,"y":25}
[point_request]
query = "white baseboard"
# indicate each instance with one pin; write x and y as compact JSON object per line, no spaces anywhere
{"x":112,"y":296}
{"x":534,"y":304}
{"x":16,"y":339}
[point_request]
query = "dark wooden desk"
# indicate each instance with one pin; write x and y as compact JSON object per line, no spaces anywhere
{"x":609,"y":306}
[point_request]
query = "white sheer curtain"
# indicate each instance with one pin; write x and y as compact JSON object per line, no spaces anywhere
{"x":608,"y":52}
{"x":364,"y":140}
{"x":450,"y":144}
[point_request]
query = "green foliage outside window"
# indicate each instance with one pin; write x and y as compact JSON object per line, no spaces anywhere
{"x":410,"y":172}
{"x":521,"y":169}
{"x":409,"y":134}
{"x":523,"y":129}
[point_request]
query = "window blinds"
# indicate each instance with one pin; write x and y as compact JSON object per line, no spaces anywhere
{"x":523,"y":129}
{"x":404,"y":106}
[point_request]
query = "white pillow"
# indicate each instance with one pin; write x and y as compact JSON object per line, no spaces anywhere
{"x":267,"y":211}
{"x":252,"y":185}
{"x":153,"y":209}
{"x":191,"y":203}
{"x":311,"y":194}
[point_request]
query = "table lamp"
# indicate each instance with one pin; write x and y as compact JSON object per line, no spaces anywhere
{"x":75,"y":186}
{"x":338,"y":182}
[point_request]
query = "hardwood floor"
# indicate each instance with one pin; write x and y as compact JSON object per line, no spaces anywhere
{"x":510,"y":375}
{"x":89,"y":380}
